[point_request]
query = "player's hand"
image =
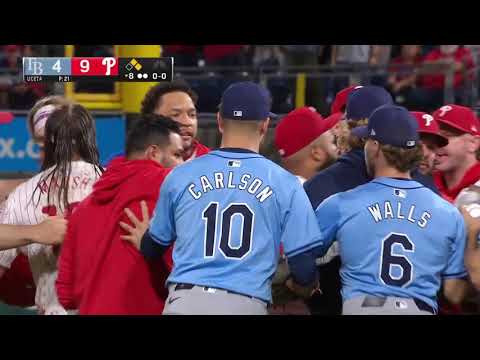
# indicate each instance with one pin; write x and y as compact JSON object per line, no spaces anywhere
{"x":472,"y":223}
{"x":139,"y":228}
{"x":304,"y":292}
{"x":51,"y":231}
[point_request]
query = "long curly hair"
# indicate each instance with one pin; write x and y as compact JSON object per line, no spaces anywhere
{"x":69,"y":133}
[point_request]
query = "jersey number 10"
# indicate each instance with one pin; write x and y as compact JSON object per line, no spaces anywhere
{"x":210,"y":216}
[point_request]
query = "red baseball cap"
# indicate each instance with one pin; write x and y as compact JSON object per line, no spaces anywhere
{"x":340,"y":101}
{"x":458,"y":117}
{"x":300,"y":127}
{"x":428,"y":125}
{"x":5,"y":117}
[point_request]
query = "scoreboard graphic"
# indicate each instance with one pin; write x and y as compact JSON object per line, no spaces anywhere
{"x":42,"y":69}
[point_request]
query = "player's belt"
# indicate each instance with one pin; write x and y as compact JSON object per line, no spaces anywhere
{"x":181,"y":286}
{"x":378,"y":301}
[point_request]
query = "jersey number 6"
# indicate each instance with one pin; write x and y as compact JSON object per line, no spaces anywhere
{"x":210,"y":216}
{"x":389,"y":260}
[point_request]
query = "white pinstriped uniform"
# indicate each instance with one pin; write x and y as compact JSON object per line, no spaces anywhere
{"x":19,"y":209}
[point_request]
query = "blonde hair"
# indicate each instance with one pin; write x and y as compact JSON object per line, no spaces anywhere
{"x":402,"y":159}
{"x":345,"y":140}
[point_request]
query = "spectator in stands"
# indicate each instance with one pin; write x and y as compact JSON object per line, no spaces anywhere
{"x":225,"y":55}
{"x":461,"y":60}
{"x":380,"y":56}
{"x":20,"y":94}
{"x":12,"y":61}
{"x":308,"y":55}
{"x":184,"y":55}
{"x":268,"y":56}
{"x":403,"y":78}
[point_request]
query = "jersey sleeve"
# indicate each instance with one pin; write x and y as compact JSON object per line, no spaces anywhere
{"x":162,"y":226}
{"x":456,"y":266}
{"x":300,"y":230}
{"x":328,"y":218}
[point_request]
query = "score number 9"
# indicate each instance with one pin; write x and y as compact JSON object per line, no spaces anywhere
{"x":84,"y":65}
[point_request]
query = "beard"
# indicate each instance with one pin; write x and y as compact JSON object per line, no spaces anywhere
{"x":331,"y":160}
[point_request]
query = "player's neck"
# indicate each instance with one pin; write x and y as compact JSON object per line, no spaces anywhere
{"x":300,"y":170}
{"x":240,"y":142}
{"x":392,"y":173}
{"x":187,"y":153}
{"x":454,"y":178}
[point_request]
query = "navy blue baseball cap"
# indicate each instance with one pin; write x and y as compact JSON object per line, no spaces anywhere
{"x":363,"y":101}
{"x":391,"y":125}
{"x":246,"y":101}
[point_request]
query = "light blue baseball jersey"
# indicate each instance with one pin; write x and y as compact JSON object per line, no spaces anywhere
{"x":396,"y":238}
{"x":228,"y":211}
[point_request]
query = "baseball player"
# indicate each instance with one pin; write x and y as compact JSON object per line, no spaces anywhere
{"x":430,"y":139}
{"x":17,"y":286}
{"x":227,"y":213}
{"x":70,"y":168}
{"x":305,"y":143}
{"x":411,"y":238}
{"x":177,"y":101}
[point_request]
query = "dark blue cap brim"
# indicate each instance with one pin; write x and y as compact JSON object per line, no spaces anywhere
{"x":361,"y":131}
{"x":272,"y":115}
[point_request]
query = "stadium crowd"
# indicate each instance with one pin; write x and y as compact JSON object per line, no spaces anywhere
{"x":394,"y":67}
{"x":113,"y":260}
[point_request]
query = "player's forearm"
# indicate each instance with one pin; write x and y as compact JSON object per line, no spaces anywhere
{"x":12,"y":236}
{"x":455,"y":290}
{"x":151,"y":249}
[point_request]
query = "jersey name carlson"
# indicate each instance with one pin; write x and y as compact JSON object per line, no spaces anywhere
{"x":219,"y":180}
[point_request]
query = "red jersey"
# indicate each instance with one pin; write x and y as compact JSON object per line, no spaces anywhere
{"x":462,"y":55}
{"x":404,"y":69}
{"x":199,"y":150}
{"x":99,"y":273}
{"x":471,"y":177}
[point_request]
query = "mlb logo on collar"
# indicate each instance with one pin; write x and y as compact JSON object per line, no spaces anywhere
{"x":234,"y":163}
{"x":400,"y":193}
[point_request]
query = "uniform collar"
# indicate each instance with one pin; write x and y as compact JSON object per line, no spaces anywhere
{"x":235,"y":153}
{"x":398,"y":183}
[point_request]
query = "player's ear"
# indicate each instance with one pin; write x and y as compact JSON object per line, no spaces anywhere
{"x":473,"y":143}
{"x":317,"y":152}
{"x":152,"y":153}
{"x":221,"y":123}
{"x":264,"y":127}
